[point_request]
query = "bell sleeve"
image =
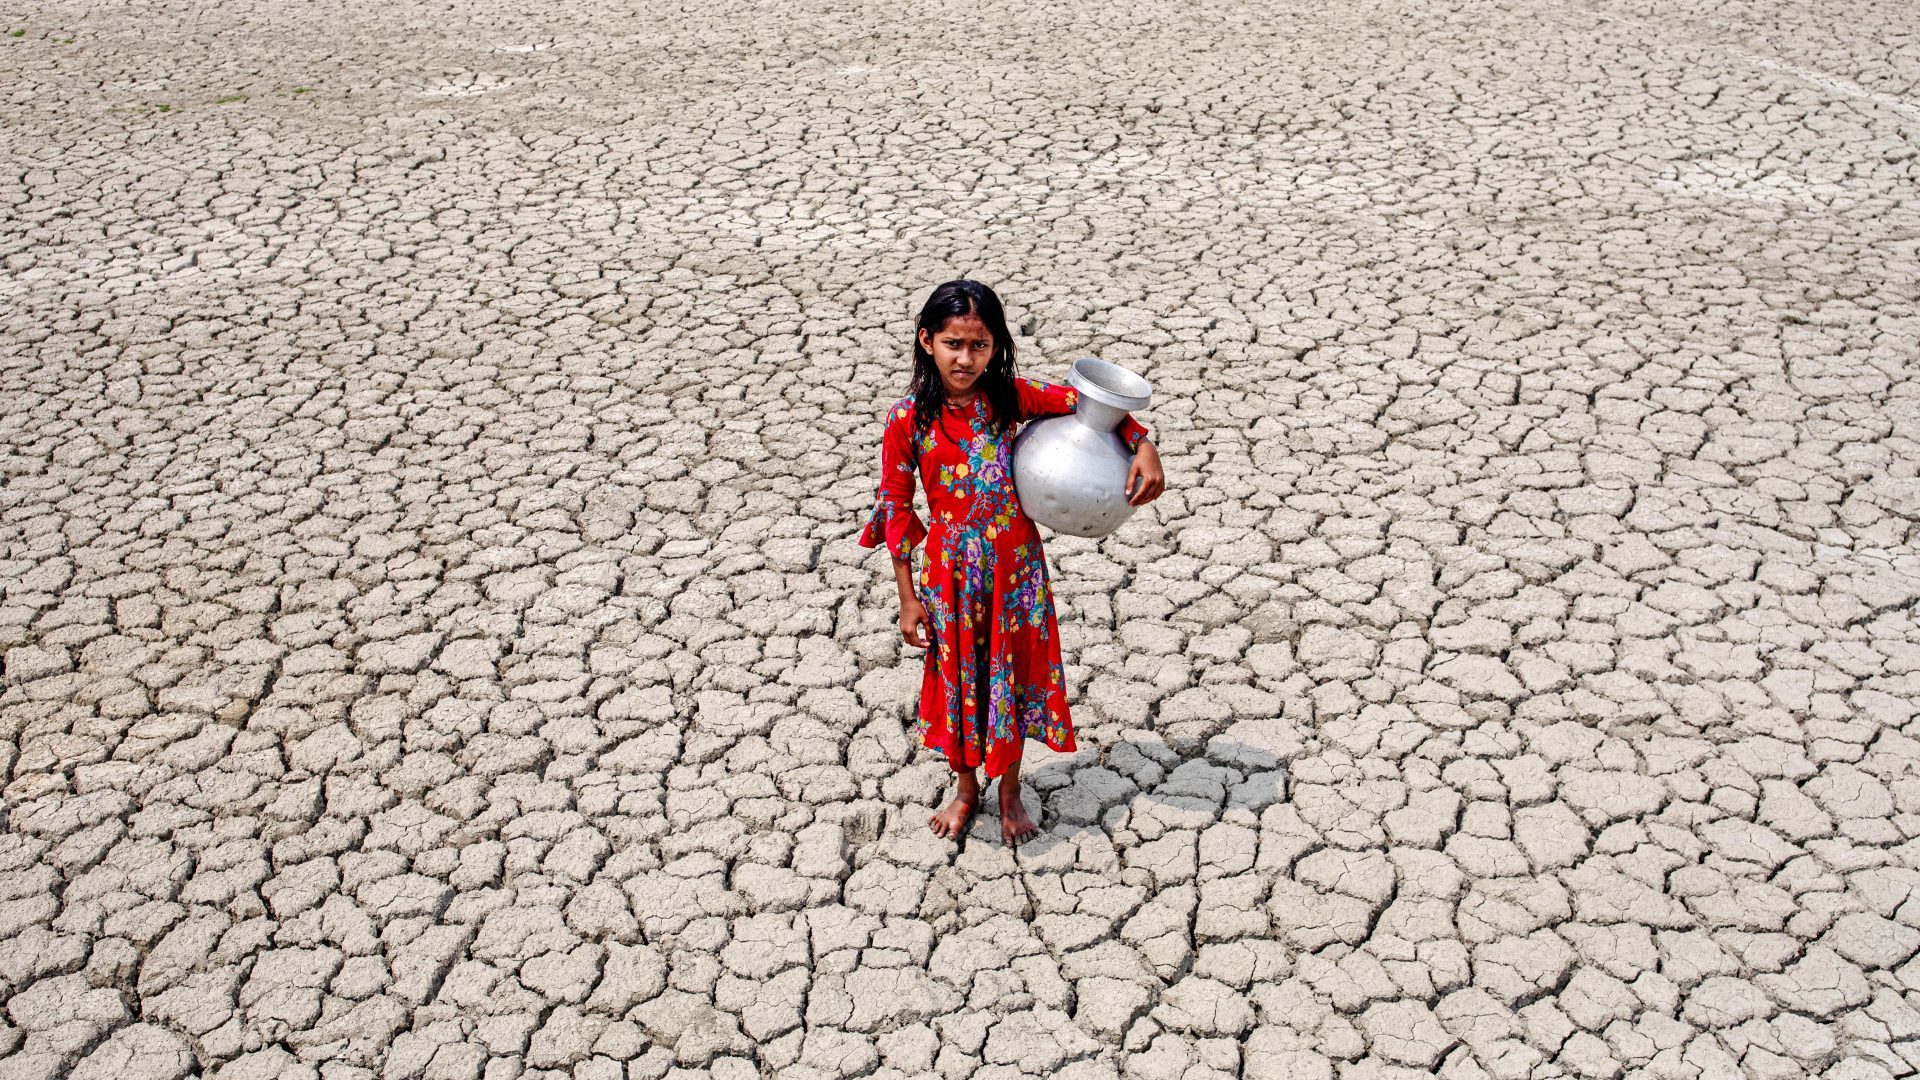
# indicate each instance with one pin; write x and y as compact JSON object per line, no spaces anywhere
{"x":1039,"y":399}
{"x":893,"y":521}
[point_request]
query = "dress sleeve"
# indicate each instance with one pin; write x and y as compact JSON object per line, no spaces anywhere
{"x":1039,"y":398}
{"x":893,"y":520}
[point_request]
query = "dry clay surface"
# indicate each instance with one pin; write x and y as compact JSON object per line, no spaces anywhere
{"x":434,"y":642}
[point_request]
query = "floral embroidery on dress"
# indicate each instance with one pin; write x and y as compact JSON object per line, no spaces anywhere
{"x":993,"y":674}
{"x":1027,"y":583}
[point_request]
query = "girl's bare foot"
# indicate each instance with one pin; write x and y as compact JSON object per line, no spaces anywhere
{"x":1015,"y":823}
{"x":951,"y":822}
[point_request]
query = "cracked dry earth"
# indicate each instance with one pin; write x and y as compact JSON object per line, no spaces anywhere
{"x":435,"y":643}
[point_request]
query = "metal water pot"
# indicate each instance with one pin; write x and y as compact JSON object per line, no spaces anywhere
{"x":1070,"y":472}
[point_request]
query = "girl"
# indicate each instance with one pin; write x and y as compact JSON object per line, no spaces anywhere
{"x":993,"y":674}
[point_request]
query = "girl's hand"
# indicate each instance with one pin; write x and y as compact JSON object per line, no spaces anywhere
{"x":914,"y":626}
{"x":1146,"y":469}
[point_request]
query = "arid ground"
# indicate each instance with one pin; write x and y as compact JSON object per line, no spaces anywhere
{"x":433,"y":439}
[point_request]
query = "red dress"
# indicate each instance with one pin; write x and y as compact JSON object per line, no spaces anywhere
{"x":993,"y":675}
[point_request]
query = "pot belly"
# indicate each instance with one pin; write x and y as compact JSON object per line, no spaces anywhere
{"x":1071,"y":478}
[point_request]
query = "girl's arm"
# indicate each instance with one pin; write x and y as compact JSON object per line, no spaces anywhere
{"x":913,"y":614}
{"x":1152,"y":480}
{"x":1039,"y":398}
{"x":894,"y":522}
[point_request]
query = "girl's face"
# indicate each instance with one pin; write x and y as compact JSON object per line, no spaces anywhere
{"x":961,"y":350}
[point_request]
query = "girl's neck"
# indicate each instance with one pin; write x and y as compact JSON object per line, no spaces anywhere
{"x":961,"y":403}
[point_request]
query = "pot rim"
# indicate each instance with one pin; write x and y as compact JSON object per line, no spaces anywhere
{"x":1109,"y":384}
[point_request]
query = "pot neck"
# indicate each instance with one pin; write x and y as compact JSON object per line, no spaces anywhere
{"x":1098,"y":416}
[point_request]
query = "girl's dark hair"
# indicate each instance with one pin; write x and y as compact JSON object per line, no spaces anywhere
{"x":952,"y":299}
